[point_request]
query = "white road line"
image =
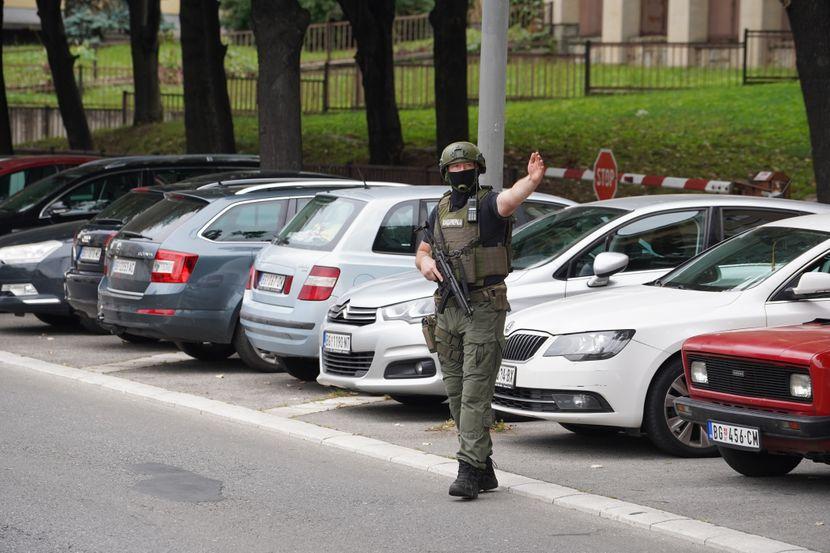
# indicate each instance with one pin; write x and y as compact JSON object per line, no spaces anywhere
{"x":330,"y":404}
{"x":704,"y":533}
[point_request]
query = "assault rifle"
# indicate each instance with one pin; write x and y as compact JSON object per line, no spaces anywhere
{"x":449,"y":286}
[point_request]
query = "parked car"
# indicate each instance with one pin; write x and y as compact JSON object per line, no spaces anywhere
{"x":613,"y":359}
{"x":18,"y":172}
{"x":83,"y":191}
{"x":554,"y":257}
{"x":178,"y":270}
{"x":763,"y":395}
{"x":87,"y":259}
{"x":339,"y":240}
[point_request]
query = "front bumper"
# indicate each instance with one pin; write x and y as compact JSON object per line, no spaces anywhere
{"x":284,"y":331}
{"x":46,"y":276}
{"x":780,"y":432}
{"x":390,"y":342}
{"x":82,"y":292}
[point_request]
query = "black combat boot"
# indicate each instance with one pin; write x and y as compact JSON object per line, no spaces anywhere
{"x":468,"y":482}
{"x":488,"y":477}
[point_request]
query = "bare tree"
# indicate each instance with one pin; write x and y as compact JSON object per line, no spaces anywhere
{"x":61,"y":64}
{"x":5,"y":124}
{"x":207,"y":108}
{"x":279,"y":28}
{"x":145,"y":18}
{"x":449,"y":28}
{"x":371,"y":24}
{"x":810,"y":24}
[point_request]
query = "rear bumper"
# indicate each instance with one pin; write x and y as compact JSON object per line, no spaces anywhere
{"x":283,"y":331}
{"x":780,"y":432}
{"x":82,"y":292}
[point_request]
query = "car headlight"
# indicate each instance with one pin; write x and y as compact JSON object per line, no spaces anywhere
{"x":801,"y":386}
{"x":589,"y":346}
{"x":28,"y":253}
{"x":409,"y":311}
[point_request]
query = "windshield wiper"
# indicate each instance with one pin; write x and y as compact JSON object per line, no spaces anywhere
{"x":280,"y":241}
{"x":132,"y":234}
{"x":673,"y":285}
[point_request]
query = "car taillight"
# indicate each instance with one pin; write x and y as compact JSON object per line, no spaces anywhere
{"x":251,"y":276}
{"x":109,"y":238}
{"x":171,"y":266}
{"x":319,"y":284}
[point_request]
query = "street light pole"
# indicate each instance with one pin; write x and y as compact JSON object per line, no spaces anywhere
{"x":491,"y":88}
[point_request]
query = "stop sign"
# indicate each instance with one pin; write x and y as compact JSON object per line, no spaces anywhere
{"x":605,"y":175}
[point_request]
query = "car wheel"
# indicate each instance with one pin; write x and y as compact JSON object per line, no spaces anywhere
{"x":57,"y":320}
{"x":255,"y":358}
{"x":761,"y":464}
{"x":135,"y":338}
{"x":419,"y":401}
{"x":303,"y":368}
{"x":589,"y":429}
{"x":664,"y":427}
{"x":90,"y":325}
{"x":206,"y":351}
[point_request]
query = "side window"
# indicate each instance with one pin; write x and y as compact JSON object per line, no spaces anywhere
{"x":658,"y":242}
{"x":821,"y":265}
{"x":735,"y":221}
{"x":250,"y":222}
{"x":301,"y":203}
{"x":530,"y":211}
{"x":169,"y":176}
{"x":12,"y":183}
{"x":397,"y":232}
{"x":94,"y":195}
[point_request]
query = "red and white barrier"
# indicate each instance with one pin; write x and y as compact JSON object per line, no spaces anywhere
{"x":702,"y":185}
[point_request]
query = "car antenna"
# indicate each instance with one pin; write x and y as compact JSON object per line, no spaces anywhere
{"x":360,"y":174}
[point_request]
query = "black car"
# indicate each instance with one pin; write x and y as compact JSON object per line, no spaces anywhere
{"x":83,"y":191}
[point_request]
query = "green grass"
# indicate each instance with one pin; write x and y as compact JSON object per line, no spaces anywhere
{"x":726,"y":133}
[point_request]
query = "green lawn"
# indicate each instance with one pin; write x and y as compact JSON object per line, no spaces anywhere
{"x":726,"y":133}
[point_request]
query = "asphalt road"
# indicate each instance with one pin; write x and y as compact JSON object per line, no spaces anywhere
{"x":85,"y":469}
{"x":791,"y":509}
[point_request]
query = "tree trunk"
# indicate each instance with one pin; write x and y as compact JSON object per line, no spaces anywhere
{"x":145,"y":17}
{"x":371,"y":24}
{"x":449,"y":28}
{"x":5,"y":124}
{"x":61,"y":64}
{"x":810,"y":24}
{"x":279,"y":28}
{"x":207,"y":109}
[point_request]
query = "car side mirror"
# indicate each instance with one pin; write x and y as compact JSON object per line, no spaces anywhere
{"x":812,"y":285}
{"x":56,"y":210}
{"x":607,"y":264}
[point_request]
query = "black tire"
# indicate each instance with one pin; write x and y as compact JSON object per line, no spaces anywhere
{"x":57,"y":320}
{"x":664,"y":428}
{"x":302,"y":368}
{"x":91,"y":325}
{"x":759,"y":465}
{"x":589,"y":429}
{"x":206,"y":351}
{"x":419,"y":401}
{"x":256,"y":359}
{"x":135,"y":338}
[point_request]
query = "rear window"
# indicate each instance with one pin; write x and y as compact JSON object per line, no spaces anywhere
{"x":321,"y":223}
{"x":159,"y":221}
{"x":128,"y":206}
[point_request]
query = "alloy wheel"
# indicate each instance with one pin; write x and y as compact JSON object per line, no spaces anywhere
{"x":688,"y":433}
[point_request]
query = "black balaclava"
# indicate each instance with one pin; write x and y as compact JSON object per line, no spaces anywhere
{"x":463,"y":184}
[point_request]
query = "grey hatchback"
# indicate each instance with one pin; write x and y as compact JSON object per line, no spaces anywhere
{"x":178,"y":270}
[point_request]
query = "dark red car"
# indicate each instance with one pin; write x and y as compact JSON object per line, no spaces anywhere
{"x":18,"y":172}
{"x":763,"y":395}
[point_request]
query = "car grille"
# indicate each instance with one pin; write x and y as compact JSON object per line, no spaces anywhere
{"x":350,"y":315}
{"x":347,"y":364}
{"x":749,"y":377}
{"x":521,"y":347}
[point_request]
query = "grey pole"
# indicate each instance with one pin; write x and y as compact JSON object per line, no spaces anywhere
{"x":491,"y":89}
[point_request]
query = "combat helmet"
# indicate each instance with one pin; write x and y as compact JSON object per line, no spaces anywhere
{"x":460,"y":151}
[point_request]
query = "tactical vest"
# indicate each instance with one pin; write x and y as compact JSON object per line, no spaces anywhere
{"x":461,"y":241}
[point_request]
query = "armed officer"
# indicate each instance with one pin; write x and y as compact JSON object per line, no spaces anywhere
{"x":472,"y":226}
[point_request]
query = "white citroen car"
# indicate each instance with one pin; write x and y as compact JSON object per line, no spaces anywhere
{"x":557,"y":256}
{"x":611,"y":361}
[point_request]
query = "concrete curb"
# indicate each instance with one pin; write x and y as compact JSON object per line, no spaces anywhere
{"x":703,"y":533}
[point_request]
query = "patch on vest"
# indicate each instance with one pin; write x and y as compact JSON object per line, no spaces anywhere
{"x":446,"y":223}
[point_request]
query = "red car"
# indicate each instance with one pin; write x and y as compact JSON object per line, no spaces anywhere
{"x":18,"y":172}
{"x":763,"y":395}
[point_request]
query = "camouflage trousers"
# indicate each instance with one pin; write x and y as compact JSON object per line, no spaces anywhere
{"x":470,"y":350}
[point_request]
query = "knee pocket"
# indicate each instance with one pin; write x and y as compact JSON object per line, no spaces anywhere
{"x":449,"y":346}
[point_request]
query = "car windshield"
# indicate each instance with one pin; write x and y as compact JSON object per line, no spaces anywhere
{"x":543,"y":240}
{"x":32,"y":194}
{"x":744,"y":261}
{"x":128,"y":206}
{"x":321,"y":223}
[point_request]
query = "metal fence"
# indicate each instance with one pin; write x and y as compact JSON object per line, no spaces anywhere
{"x":769,"y":56}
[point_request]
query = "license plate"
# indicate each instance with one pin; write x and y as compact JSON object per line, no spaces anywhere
{"x":123,"y":266}
{"x":337,"y":343}
{"x":739,"y":436}
{"x":90,"y":254}
{"x":506,"y":377}
{"x":271,"y":282}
